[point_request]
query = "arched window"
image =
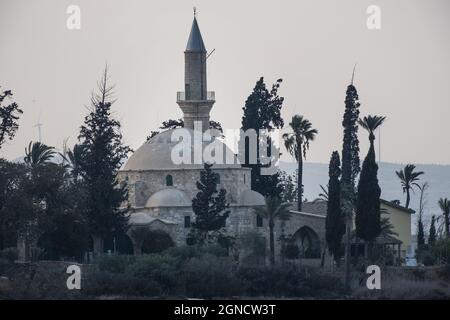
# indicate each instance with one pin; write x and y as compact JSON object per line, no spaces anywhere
{"x":169,"y":180}
{"x":259,"y":221}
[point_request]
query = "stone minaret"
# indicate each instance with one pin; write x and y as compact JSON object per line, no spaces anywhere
{"x":195,"y":102}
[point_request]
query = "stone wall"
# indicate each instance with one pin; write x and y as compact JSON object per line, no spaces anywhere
{"x":142,"y":184}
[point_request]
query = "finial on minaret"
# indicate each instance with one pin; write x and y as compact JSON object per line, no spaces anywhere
{"x":195,"y":12}
{"x":353,"y":73}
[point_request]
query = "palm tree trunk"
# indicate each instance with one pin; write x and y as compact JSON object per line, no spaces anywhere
{"x":272,"y":242}
{"x":408,"y":199}
{"x":447,"y":225}
{"x":300,"y":179}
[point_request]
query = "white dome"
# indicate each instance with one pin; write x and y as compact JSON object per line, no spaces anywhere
{"x":251,"y":198}
{"x":170,"y":197}
{"x":140,"y":218}
{"x":156,"y":154}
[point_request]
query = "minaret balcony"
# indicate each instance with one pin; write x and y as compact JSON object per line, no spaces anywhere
{"x":182,"y":96}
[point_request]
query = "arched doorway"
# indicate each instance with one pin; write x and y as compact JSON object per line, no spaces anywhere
{"x":119,"y":243}
{"x":308,"y":243}
{"x":156,"y":241}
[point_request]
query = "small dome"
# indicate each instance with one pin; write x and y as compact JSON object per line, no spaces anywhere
{"x":251,"y":198}
{"x":170,"y":197}
{"x":140,"y":218}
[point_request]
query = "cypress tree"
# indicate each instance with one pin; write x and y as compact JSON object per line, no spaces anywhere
{"x":350,"y":167}
{"x":335,"y":223}
{"x":104,"y":153}
{"x":432,"y":234}
{"x":367,"y":219}
{"x":210,"y":208}
{"x":420,"y":233}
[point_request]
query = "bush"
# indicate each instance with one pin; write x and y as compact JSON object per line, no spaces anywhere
{"x":9,"y":254}
{"x":287,"y":281}
{"x":444,"y":272}
{"x":5,"y":265}
{"x":108,"y":283}
{"x":428,"y":259}
{"x":114,"y":263}
{"x":158,"y":268}
{"x":209,"y":277}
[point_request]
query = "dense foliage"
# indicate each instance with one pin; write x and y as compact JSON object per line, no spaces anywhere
{"x":262,"y":110}
{"x":335,"y":222}
{"x":210,"y":209}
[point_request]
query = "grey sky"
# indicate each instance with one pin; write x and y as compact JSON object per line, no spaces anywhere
{"x":403,"y":70}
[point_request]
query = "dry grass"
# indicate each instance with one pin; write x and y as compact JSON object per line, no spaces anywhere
{"x":400,"y":284}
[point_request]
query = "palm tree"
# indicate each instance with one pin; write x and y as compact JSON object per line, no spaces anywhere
{"x":371,"y":123}
{"x":444,"y":204}
{"x":274,"y":209}
{"x":38,"y":154}
{"x":408,"y":179}
{"x":297,"y":143}
{"x":74,"y":158}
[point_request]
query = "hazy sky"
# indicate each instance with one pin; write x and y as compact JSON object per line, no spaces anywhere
{"x":403,"y":70}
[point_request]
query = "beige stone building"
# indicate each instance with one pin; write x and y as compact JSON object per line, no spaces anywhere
{"x":161,"y":191}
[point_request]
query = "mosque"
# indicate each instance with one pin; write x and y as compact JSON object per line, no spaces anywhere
{"x":161,"y":192}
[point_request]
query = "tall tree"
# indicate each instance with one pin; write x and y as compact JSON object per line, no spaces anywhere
{"x":444,"y":204}
{"x":9,"y":115}
{"x":335,"y":222}
{"x":350,"y":167}
{"x":297,"y":143}
{"x":273,"y":210}
{"x":432,"y":233}
{"x":420,"y":227}
{"x":210,"y":208}
{"x":408,"y":179}
{"x":367,"y":219}
{"x":420,"y":233}
{"x":262,"y":110}
{"x":104,"y":152}
{"x":288,"y":186}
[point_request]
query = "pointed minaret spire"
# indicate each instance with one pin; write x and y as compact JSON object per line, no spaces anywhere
{"x":195,"y":102}
{"x":195,"y":42}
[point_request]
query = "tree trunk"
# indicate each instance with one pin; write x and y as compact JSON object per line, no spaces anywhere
{"x":271,"y":242}
{"x":408,"y":199}
{"x":447,"y":225}
{"x":300,"y":179}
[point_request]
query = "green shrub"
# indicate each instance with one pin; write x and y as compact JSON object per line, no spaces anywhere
{"x":9,"y":254}
{"x":114,"y":263}
{"x":107,"y":283}
{"x":444,"y":272}
{"x":5,"y":266}
{"x":428,"y":259}
{"x":210,"y":277}
{"x":159,"y":268}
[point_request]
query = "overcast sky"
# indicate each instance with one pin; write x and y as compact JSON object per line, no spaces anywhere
{"x":403,"y":70}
